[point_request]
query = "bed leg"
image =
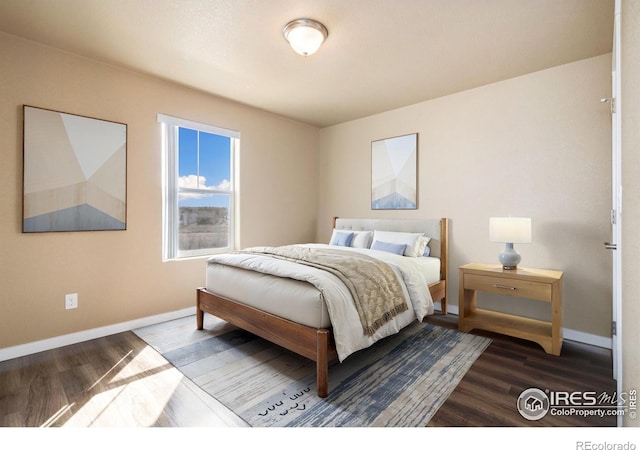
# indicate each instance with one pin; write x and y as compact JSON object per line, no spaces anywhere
{"x":199,"y":313}
{"x":322,"y":363}
{"x":199,"y":319}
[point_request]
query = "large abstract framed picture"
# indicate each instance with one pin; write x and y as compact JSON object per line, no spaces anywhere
{"x":75,"y":172}
{"x":394,"y":173}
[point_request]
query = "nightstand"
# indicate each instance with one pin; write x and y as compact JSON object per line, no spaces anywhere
{"x":535,"y":284}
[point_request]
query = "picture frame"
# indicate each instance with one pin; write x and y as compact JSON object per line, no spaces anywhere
{"x":74,"y":172}
{"x":394,"y":172}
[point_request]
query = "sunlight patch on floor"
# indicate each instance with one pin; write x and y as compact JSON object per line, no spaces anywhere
{"x":135,"y":395}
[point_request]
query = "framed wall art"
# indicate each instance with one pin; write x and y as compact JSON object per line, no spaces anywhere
{"x":394,"y":173}
{"x":75,"y":172}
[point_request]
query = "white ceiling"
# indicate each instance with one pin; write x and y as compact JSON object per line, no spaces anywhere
{"x":380,"y":54}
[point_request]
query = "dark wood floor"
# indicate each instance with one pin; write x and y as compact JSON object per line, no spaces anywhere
{"x":488,"y":394}
{"x":120,"y":381}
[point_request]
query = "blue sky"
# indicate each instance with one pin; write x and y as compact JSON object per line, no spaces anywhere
{"x":211,"y":171}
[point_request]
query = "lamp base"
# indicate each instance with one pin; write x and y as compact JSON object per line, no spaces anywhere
{"x":509,"y":257}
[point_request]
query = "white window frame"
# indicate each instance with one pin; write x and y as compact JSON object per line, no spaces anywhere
{"x":170,"y":208}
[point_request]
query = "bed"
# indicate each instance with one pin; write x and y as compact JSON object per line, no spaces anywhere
{"x":257,"y":290}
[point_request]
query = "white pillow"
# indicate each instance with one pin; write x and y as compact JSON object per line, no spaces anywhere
{"x":361,"y":239}
{"x":412,"y":240}
{"x":423,"y":241}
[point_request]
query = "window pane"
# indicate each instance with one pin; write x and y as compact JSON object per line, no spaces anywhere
{"x":215,"y":161}
{"x":188,"y":157}
{"x":203,"y":221}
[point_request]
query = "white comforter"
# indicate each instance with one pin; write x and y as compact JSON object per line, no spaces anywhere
{"x":347,"y":329}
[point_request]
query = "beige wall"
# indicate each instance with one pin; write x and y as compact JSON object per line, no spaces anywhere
{"x":537,"y":146}
{"x":120,"y":276}
{"x":630,"y":107}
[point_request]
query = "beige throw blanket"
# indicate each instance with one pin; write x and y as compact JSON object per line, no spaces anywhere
{"x":377,"y":292}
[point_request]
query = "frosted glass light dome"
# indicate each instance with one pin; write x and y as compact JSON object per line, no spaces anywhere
{"x":305,"y":35}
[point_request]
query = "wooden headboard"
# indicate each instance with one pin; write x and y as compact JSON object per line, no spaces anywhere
{"x":436,"y":229}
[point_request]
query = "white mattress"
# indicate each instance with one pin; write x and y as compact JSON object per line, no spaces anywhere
{"x":269,"y":293}
{"x":294,"y":300}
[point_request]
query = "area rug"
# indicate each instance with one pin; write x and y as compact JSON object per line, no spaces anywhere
{"x":400,"y":381}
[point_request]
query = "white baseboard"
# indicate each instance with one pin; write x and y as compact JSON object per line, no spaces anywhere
{"x":81,"y":336}
{"x":74,"y":338}
{"x":587,"y":338}
{"x":568,"y":334}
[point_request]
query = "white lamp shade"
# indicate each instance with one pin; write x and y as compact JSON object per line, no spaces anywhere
{"x":305,"y":35}
{"x":515,"y":230}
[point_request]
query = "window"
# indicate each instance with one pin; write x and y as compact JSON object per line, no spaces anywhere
{"x":199,"y":194}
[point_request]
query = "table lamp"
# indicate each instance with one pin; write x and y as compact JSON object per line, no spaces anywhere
{"x":510,"y":230}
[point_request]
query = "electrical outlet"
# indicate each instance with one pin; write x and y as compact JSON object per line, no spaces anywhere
{"x":71,"y":301}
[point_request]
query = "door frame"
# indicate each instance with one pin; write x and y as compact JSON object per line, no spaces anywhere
{"x":616,"y":204}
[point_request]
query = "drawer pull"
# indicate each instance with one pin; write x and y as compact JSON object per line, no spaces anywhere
{"x":502,"y":286}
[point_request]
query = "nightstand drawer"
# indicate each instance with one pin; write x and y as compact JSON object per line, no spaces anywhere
{"x":508,"y":286}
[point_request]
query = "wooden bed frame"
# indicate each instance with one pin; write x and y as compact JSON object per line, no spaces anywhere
{"x":316,"y":344}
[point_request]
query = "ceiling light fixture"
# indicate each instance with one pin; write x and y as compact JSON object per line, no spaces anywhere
{"x":305,"y":35}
